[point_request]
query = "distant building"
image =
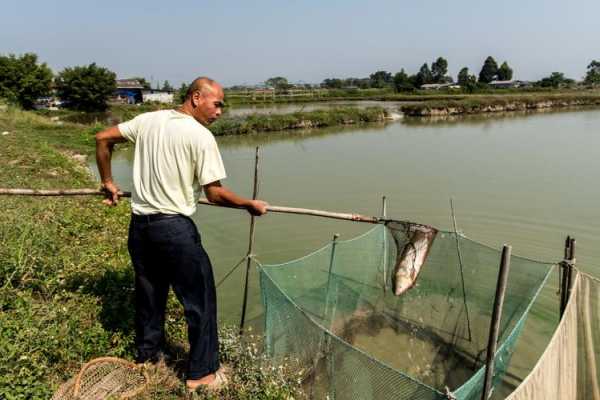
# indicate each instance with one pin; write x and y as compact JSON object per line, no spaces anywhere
{"x":159,"y":96}
{"x":509,"y":84}
{"x":438,"y":86}
{"x":129,"y":91}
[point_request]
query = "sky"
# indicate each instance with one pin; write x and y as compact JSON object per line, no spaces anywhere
{"x":247,"y":42}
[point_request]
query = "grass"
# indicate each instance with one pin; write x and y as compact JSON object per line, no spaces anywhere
{"x":66,"y":283}
{"x":298,"y":120}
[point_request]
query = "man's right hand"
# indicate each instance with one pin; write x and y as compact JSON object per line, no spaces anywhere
{"x":112,"y":193}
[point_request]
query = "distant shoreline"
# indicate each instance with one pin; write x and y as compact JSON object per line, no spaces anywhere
{"x":420,"y":107}
{"x":495,"y":104}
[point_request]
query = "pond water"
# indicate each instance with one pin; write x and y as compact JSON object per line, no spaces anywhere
{"x":523,"y":179}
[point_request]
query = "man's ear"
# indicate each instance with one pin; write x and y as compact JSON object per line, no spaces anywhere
{"x":196,"y":99}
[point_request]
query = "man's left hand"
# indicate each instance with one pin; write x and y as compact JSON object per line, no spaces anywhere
{"x":257,"y":207}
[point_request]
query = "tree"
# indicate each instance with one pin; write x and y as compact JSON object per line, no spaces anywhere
{"x":381,"y":79}
{"x":439,"y":69}
{"x":86,"y":87}
{"x":489,"y":71}
{"x":278,"y":82}
{"x":23,"y":80}
{"x":424,"y":76}
{"x":463,"y":76}
{"x":593,"y":73}
{"x":333,"y":83}
{"x":167,"y":87}
{"x":505,"y":73}
{"x":142,"y":82}
{"x":466,"y":80}
{"x":363,"y":83}
{"x":402,"y":82}
{"x":182,"y":92}
{"x":555,"y":80}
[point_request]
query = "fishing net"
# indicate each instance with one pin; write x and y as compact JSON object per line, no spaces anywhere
{"x":334,"y":312}
{"x":104,"y":378}
{"x":570,"y":365}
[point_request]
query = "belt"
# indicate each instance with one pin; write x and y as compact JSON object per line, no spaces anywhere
{"x":152,"y":217}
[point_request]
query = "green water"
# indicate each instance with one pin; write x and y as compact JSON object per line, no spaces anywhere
{"x":523,"y":179}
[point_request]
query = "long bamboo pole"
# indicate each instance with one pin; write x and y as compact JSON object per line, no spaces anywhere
{"x":202,"y":200}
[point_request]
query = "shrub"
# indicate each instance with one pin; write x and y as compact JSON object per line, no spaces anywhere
{"x":23,"y":80}
{"x":86,"y":88}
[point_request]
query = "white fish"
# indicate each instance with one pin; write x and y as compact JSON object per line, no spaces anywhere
{"x":412,"y":257}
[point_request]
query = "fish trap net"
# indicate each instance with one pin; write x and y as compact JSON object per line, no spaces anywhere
{"x":359,"y":328}
{"x":104,"y":378}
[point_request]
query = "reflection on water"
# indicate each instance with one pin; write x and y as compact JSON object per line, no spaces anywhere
{"x":526,"y":180}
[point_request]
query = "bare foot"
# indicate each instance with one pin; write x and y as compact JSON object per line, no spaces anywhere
{"x":205,"y":380}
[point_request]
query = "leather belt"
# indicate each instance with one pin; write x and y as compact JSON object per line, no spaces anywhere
{"x":152,"y":217}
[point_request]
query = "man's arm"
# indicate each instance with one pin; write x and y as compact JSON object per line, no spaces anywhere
{"x":218,"y":194}
{"x":105,"y":142}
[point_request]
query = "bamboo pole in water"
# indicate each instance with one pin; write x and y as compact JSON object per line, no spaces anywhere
{"x":250,"y":247}
{"x":204,"y":201}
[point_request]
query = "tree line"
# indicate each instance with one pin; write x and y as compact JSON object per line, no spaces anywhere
{"x":437,"y":73}
{"x":23,"y":80}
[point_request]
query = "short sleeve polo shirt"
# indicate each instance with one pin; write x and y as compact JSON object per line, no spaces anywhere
{"x":175,"y":156}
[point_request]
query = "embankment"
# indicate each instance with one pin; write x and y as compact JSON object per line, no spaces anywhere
{"x":495,"y":104}
{"x":298,"y":120}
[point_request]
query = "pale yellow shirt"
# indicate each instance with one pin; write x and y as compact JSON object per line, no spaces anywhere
{"x":174,"y":157}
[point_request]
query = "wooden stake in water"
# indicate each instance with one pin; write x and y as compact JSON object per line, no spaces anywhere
{"x":495,"y":323}
{"x":570,"y":270}
{"x":385,"y":258}
{"x":462,"y":275}
{"x":564,"y":271}
{"x":250,"y":246}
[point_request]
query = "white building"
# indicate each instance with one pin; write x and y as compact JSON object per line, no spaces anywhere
{"x":158,"y":96}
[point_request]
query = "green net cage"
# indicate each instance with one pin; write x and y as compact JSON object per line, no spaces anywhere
{"x":334,"y":313}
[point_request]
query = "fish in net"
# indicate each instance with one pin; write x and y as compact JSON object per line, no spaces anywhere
{"x":102,"y":378}
{"x":413,"y":242}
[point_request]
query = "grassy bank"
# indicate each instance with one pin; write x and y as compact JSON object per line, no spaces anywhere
{"x":66,"y":283}
{"x":227,"y":125}
{"x":298,"y":120}
{"x":477,"y":104}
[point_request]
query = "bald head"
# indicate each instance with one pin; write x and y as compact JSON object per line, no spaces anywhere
{"x":203,"y":85}
{"x":204,"y":100}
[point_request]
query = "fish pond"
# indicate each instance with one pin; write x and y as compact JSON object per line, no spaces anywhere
{"x":526,"y":179}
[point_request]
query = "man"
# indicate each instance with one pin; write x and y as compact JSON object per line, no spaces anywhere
{"x":175,"y":156}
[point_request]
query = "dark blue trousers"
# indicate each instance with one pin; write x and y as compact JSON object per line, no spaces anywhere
{"x":166,"y":251}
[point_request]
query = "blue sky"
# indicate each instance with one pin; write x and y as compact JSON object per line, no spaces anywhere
{"x":240,"y":42}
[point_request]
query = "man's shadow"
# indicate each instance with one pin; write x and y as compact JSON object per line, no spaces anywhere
{"x":115,"y":289}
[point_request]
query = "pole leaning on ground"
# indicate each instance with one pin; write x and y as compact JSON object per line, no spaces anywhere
{"x":495,"y":323}
{"x":202,"y":200}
